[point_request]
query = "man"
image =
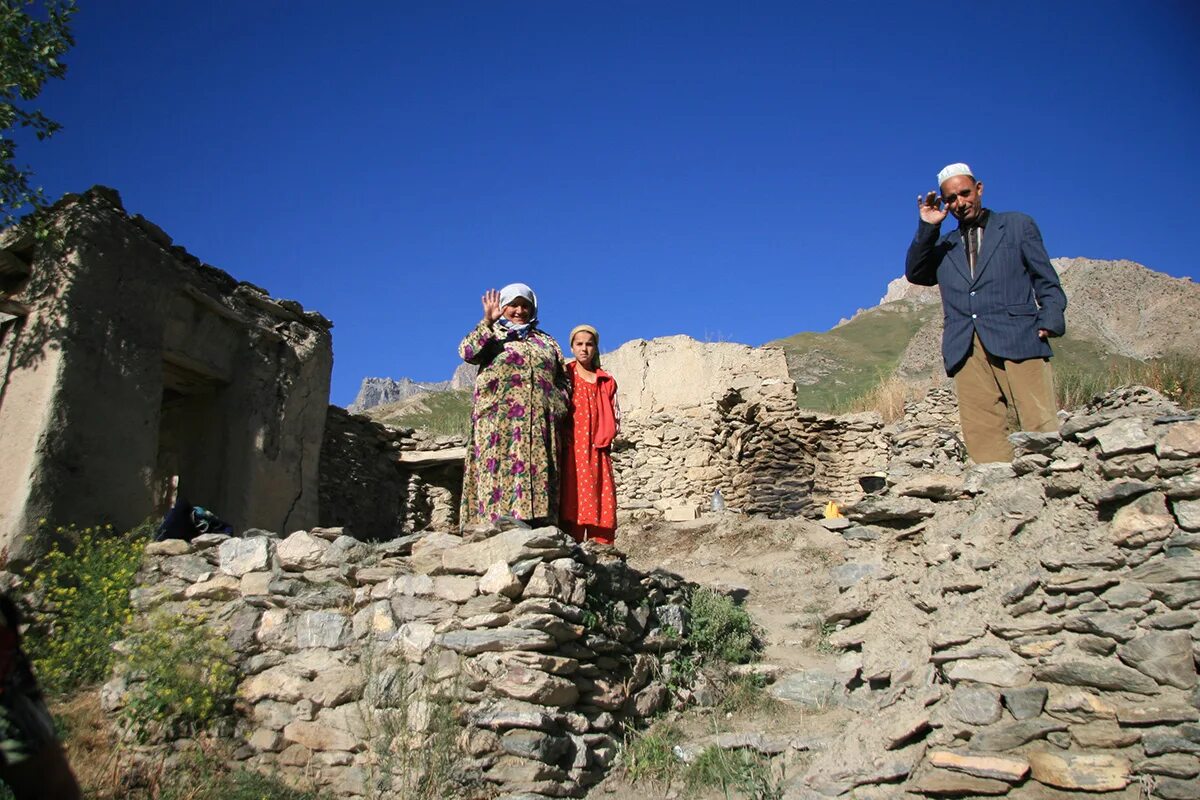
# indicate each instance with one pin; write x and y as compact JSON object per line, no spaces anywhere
{"x":1002,"y":301}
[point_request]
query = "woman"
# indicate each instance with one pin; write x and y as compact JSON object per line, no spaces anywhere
{"x":511,"y":467}
{"x":589,"y":496}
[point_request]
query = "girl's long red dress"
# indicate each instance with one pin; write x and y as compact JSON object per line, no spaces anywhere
{"x":589,"y":497}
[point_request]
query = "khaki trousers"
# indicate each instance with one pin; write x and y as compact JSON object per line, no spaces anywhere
{"x":988,"y":387}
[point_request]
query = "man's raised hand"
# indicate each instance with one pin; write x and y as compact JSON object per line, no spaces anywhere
{"x":491,"y":306}
{"x":932,"y":209}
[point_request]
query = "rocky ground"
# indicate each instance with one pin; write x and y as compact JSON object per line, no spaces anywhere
{"x":1027,"y":631}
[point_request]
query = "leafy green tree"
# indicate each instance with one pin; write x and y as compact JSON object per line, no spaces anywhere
{"x":33,"y":35}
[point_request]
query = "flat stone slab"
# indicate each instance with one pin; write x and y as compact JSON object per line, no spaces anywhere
{"x":1081,"y":772}
{"x":998,"y":767}
{"x":484,"y":640}
{"x":1099,"y":674}
{"x":998,"y":738}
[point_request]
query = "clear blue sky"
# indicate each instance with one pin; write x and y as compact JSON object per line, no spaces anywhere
{"x":729,"y":170}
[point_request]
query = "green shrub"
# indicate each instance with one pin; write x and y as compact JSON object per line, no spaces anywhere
{"x":721,"y":629}
{"x":199,"y":776}
{"x":1177,"y":377}
{"x":83,"y":585}
{"x":650,"y":754}
{"x":742,"y":771}
{"x":180,"y":678}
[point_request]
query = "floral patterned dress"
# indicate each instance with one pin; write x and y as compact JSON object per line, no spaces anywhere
{"x":520,"y":398}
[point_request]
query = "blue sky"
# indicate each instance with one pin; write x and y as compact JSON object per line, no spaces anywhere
{"x":733,"y":171}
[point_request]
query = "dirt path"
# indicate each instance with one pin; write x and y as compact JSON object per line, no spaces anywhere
{"x":779,"y":570}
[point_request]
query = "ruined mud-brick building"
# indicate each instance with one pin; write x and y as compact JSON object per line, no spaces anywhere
{"x":129,"y":369}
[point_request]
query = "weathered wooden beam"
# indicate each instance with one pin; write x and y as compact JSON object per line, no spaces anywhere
{"x":8,"y":306}
{"x":425,"y":458}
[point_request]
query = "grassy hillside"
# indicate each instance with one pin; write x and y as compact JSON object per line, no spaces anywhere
{"x":447,"y":413}
{"x":831,"y":369}
{"x":843,"y":369}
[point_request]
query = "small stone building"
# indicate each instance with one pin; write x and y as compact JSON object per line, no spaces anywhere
{"x":130,"y":370}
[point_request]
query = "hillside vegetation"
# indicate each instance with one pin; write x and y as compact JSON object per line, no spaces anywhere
{"x":1150,"y":336}
{"x":446,"y":413}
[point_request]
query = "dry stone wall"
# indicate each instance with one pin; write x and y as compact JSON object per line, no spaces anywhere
{"x":1026,"y":629}
{"x":700,"y":417}
{"x":379,"y":482}
{"x":536,"y":651}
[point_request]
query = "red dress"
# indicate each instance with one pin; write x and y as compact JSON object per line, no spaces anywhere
{"x":589,"y":497}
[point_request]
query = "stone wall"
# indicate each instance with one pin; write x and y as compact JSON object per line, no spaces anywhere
{"x":542,"y":651}
{"x":699,"y":417}
{"x":1027,"y":628}
{"x":379,"y":482}
{"x":128,"y":367}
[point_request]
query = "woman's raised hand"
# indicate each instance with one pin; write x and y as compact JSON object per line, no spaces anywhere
{"x":491,"y":305}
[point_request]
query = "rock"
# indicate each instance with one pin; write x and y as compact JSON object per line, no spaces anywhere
{"x":535,"y":745}
{"x":1164,"y":656}
{"x":301,"y":551}
{"x":510,"y":547}
{"x":167,"y":547}
{"x":500,"y":579}
{"x":239,"y":556}
{"x":1101,"y":675}
{"x":846,"y":575}
{"x":1006,"y":736}
{"x":1079,"y":772}
{"x":322,"y":629}
{"x":809,"y":689}
{"x":890,"y":509}
{"x":993,"y":671}
{"x":535,"y":686}
{"x":981,"y":477}
{"x":222,"y":587}
{"x":484,"y":640}
{"x":1119,"y":626}
{"x":1034,"y":442}
{"x":934,"y":486}
{"x":1078,"y":705}
{"x":1187,"y":512}
{"x":751,"y":741}
{"x":557,"y":580}
{"x":1104,"y":735}
{"x":499,"y":715}
{"x":427,"y":552}
{"x":1126,"y":435}
{"x":1175,"y":789}
{"x":1119,"y":491}
{"x":1156,"y":713}
{"x":1180,"y":440}
{"x":1012,"y":770}
{"x":1183,"y":487}
{"x":1126,"y":595}
{"x":947,"y":783}
{"x":1177,"y":765}
{"x":455,"y":588}
{"x":1143,"y":521}
{"x":187,"y":567}
{"x":683,"y":513}
{"x":1026,"y":702}
{"x":974,"y":706}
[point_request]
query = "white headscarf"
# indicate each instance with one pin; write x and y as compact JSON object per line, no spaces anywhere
{"x":507,"y":295}
{"x":515,"y":290}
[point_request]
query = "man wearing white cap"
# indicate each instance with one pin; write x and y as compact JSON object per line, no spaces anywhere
{"x":1002,"y":302}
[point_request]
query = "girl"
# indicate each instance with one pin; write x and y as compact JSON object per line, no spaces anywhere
{"x":589,"y":496}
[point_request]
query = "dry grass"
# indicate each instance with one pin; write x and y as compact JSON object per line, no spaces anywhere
{"x":888,"y":397}
{"x":1176,"y":377}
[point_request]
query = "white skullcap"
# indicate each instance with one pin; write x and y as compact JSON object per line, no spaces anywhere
{"x":515,"y":290}
{"x":953,"y":171}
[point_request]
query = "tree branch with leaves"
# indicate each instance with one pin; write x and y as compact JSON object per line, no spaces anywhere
{"x":34,"y":34}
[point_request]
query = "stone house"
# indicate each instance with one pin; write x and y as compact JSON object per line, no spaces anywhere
{"x":130,"y":370}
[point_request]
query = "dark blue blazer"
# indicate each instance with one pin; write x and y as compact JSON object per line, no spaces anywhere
{"x":1015,"y":291}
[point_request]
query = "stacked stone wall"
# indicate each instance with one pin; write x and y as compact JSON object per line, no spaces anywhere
{"x":542,"y":652}
{"x":379,"y":482}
